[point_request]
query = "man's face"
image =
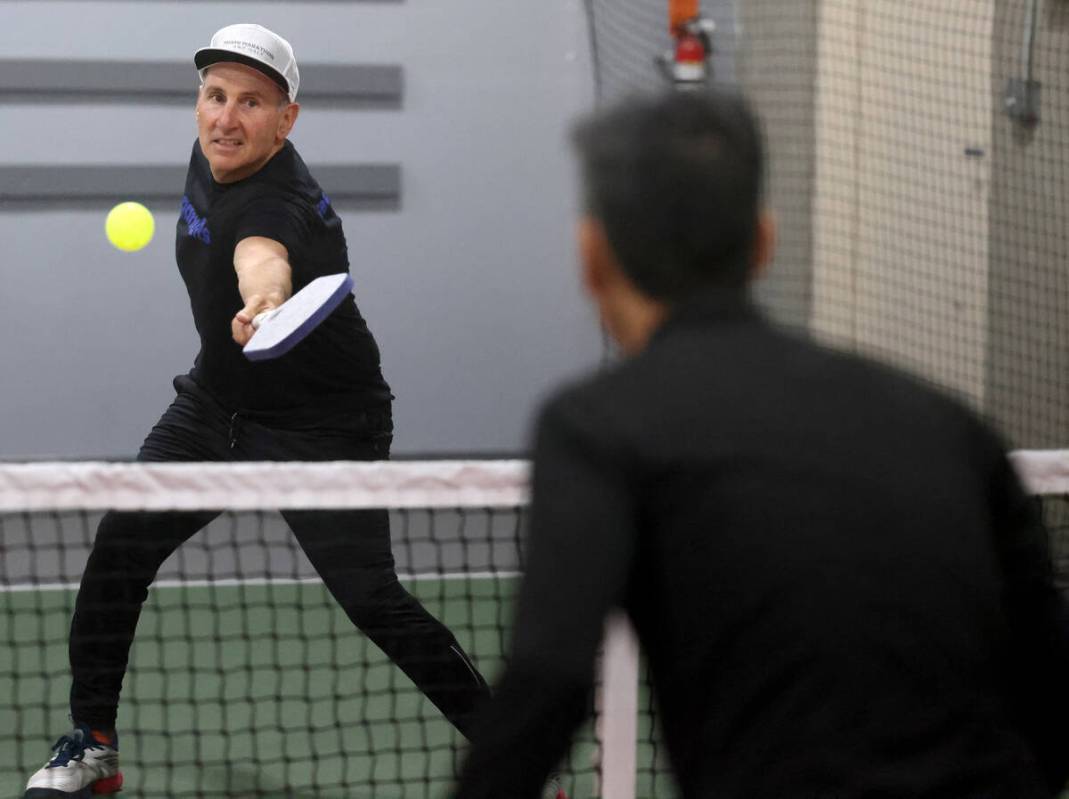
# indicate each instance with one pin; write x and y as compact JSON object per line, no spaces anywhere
{"x":242,"y":120}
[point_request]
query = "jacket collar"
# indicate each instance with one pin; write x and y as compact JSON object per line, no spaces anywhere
{"x":711,"y":305}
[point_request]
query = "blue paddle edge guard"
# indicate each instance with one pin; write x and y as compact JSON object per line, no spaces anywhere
{"x":305,"y":328}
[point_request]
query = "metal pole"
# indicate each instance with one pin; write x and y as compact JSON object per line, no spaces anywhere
{"x":1028,"y":46}
{"x":1021,"y":98}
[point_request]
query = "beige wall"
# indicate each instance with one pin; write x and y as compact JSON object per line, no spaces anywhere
{"x":901,"y":220}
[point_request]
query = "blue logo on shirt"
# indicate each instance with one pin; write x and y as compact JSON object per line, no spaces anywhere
{"x":323,"y":206}
{"x":196,"y":225}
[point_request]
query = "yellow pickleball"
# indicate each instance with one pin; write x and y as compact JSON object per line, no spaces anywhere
{"x":129,"y":226}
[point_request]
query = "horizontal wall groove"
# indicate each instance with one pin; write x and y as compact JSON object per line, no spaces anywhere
{"x":166,"y":82}
{"x":369,"y":186}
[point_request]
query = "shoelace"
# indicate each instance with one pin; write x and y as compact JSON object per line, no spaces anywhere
{"x":71,"y":747}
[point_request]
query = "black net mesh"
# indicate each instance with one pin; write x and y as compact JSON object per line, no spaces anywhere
{"x":246,"y":678}
{"x":919,"y":221}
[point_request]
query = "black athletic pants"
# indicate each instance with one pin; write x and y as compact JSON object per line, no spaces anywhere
{"x":350,"y":550}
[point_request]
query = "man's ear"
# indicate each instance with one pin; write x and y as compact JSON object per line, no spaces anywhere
{"x":595,"y":256}
{"x":764,"y":247}
{"x":286,"y":123}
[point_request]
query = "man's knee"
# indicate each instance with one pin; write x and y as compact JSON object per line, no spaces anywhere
{"x":376,"y":599}
{"x":143,"y":539}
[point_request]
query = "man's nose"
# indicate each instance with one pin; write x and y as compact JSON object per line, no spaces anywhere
{"x":227,"y":115}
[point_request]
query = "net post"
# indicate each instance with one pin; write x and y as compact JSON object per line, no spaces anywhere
{"x":618,"y":701}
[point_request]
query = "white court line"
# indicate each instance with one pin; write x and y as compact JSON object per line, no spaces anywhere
{"x":232,"y":582}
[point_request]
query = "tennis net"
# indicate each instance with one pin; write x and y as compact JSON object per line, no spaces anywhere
{"x":247,"y":679}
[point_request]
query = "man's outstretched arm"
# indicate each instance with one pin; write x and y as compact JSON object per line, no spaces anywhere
{"x":582,"y":540}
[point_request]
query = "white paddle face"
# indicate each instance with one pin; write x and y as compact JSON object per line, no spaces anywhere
{"x":263,"y":316}
{"x":279,"y":330}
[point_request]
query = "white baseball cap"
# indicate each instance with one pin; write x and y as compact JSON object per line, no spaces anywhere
{"x":254,"y":46}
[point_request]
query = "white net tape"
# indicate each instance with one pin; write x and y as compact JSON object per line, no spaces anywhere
{"x":337,"y":484}
{"x":251,"y":486}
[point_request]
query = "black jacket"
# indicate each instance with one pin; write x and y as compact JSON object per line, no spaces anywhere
{"x":839,"y":584}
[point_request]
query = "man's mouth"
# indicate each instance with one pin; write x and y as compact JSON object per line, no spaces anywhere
{"x":227,"y":143}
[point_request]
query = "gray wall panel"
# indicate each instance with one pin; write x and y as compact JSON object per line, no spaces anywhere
{"x":470,"y":288}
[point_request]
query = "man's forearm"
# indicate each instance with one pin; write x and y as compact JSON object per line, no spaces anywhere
{"x":269,"y":279}
{"x":265,"y":281}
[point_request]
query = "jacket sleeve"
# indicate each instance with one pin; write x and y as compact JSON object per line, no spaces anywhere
{"x":1038,"y":670}
{"x":580,"y":556}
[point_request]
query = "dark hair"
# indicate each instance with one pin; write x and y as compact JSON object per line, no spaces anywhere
{"x":675,"y":179}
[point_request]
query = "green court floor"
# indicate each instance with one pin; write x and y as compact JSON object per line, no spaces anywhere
{"x":254,"y":690}
{"x":266,"y":690}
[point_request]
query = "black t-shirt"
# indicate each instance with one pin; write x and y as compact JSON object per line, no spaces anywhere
{"x":337,"y":366}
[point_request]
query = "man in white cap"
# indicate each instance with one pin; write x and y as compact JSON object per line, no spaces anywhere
{"x":254,"y":227}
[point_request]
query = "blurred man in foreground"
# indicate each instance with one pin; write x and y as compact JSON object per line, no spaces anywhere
{"x":840,"y":587}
